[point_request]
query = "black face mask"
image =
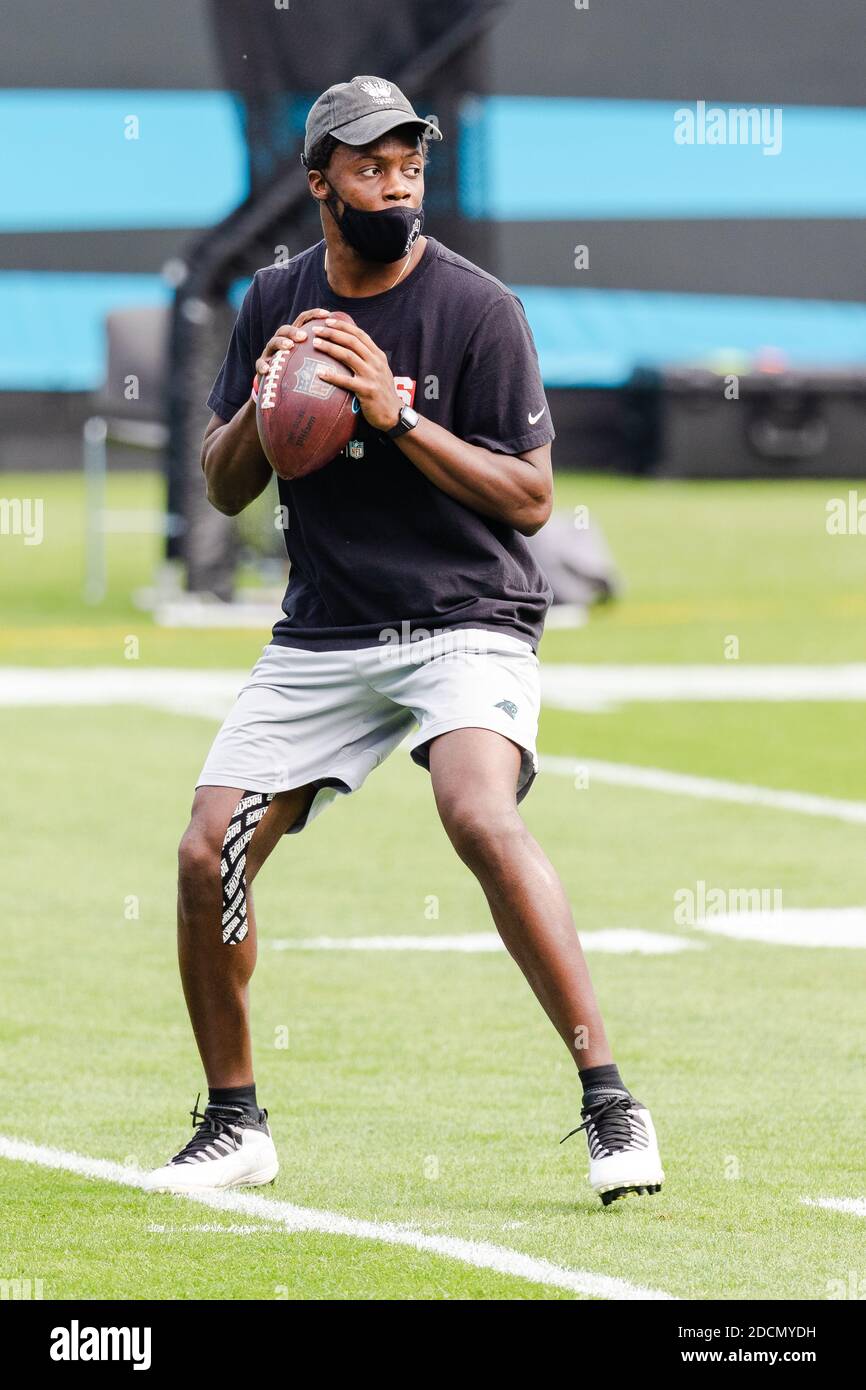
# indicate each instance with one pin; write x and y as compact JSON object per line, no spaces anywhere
{"x":379,"y":236}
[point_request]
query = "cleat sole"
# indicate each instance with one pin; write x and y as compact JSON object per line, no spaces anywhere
{"x":614,"y":1193}
{"x":265,"y":1177}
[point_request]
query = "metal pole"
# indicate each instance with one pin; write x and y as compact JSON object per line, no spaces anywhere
{"x":95,"y":461}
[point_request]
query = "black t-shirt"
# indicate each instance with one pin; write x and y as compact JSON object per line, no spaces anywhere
{"x":374,"y":546}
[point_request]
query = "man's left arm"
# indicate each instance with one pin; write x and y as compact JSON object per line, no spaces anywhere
{"x":516,"y":489}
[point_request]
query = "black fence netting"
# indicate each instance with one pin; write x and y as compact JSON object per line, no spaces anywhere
{"x":277,"y":59}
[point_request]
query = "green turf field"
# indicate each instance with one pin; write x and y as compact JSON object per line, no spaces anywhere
{"x":424,"y":1092}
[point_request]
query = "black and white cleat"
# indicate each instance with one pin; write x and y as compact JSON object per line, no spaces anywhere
{"x":229,"y":1149}
{"x":623,"y":1150}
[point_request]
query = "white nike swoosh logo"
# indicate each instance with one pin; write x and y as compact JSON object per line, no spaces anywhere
{"x":534,"y":418}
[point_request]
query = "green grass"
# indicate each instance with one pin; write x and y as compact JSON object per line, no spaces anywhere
{"x":705,"y":560}
{"x":742,"y":1050}
{"x":802,"y":746}
{"x":701,"y":561}
{"x":402,"y":1065}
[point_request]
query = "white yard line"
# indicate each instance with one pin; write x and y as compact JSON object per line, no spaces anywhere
{"x":616,"y":941}
{"x":207,"y":693}
{"x":478,"y":1254}
{"x":657,"y":779}
{"x":852,"y":1206}
{"x":840,"y":927}
{"x":563,"y":686}
{"x":604,"y":687}
{"x":155,"y":1228}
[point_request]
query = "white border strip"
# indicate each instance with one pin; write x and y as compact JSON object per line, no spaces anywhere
{"x":852,"y":1206}
{"x":478,"y":1254}
{"x":656,"y":779}
{"x":616,"y":941}
{"x":562,"y":686}
{"x":566,"y":686}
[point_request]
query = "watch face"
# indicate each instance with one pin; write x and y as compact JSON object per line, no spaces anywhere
{"x":406,"y":420}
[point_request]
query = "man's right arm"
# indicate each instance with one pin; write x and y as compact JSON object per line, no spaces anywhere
{"x":232,"y":460}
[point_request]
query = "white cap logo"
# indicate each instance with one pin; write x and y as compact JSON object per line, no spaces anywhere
{"x":379,"y":90}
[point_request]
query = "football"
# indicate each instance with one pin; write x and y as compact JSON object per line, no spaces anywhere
{"x":303,"y":421}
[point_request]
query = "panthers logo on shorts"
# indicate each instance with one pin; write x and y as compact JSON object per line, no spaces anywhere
{"x":509,"y":706}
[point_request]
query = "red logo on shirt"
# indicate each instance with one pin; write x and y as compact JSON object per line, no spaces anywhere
{"x":405,"y":388}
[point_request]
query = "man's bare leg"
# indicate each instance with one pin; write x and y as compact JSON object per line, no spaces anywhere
{"x":215,"y":976}
{"x":474,"y":774}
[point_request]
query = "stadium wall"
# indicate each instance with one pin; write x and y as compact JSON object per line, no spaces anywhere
{"x":761,"y":250}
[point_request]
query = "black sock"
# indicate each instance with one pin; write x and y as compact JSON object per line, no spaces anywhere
{"x":598,"y":1080}
{"x":235,"y":1095}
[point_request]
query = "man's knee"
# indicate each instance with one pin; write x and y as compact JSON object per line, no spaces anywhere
{"x":481,"y":834}
{"x":198,"y":854}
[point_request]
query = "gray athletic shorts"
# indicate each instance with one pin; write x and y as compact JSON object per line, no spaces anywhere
{"x":329,"y":718}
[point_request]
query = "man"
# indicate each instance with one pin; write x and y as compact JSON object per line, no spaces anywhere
{"x":412,"y":601}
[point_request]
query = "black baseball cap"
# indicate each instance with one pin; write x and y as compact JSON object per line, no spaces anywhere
{"x":359,"y":111}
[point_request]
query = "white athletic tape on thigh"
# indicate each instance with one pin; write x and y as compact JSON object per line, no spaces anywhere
{"x":233,"y":863}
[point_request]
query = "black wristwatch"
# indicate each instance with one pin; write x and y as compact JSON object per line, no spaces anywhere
{"x":406,"y":420}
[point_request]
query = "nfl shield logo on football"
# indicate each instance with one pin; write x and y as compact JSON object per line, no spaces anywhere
{"x":308,"y":381}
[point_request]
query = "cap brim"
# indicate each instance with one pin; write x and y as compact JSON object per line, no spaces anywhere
{"x":367,"y":128}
